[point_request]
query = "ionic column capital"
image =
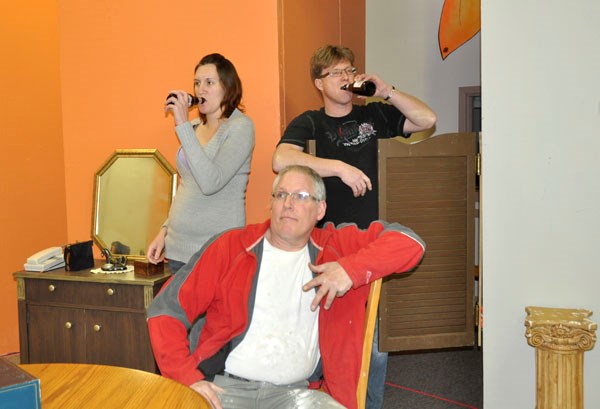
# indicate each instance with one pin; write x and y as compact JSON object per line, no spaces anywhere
{"x":560,"y":330}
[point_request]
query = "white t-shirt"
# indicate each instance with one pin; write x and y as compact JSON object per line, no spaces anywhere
{"x":282,"y":342}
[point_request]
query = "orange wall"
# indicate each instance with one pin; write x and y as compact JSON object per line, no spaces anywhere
{"x":117,"y":61}
{"x":100,"y":71}
{"x":323,"y":22}
{"x":32,"y":181}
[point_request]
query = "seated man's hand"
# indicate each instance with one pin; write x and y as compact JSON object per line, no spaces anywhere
{"x":332,"y":282}
{"x":209,"y":390}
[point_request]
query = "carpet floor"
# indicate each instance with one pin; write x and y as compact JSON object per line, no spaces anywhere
{"x":448,"y":379}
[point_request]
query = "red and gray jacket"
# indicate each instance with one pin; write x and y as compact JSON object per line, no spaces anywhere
{"x":206,"y":308}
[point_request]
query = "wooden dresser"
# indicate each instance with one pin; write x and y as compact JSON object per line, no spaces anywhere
{"x":81,"y":317}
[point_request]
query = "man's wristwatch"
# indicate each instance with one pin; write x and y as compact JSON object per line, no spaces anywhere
{"x":390,"y":94}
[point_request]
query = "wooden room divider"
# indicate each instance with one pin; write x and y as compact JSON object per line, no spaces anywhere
{"x":429,"y":186}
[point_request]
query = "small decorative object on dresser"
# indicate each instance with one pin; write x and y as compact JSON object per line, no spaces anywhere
{"x":145,"y":268}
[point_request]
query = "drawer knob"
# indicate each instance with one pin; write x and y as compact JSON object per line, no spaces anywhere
{"x":68,"y":325}
{"x":51,"y":288}
{"x":110,"y":291}
{"x":97,"y":328}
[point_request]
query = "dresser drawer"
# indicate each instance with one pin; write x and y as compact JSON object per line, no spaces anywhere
{"x":79,"y":293}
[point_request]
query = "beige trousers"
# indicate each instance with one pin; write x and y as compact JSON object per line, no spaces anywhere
{"x":244,"y":394}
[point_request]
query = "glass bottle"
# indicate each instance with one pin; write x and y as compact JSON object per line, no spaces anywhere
{"x":192,"y":99}
{"x":364,"y":88}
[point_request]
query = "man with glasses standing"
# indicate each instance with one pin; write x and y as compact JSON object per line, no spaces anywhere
{"x":346,"y":152}
{"x":284,"y":302}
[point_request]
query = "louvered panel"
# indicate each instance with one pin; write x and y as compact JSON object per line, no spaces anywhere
{"x":429,"y":187}
{"x":429,"y":322}
{"x":424,"y":285}
{"x":439,"y":328}
{"x":453,"y":240}
{"x":419,"y":302}
{"x":440,"y":309}
{"x":431,"y":289}
{"x":435,"y":259}
{"x":443,"y":272}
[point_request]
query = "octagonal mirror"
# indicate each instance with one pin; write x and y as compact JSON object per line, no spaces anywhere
{"x":133,"y":192}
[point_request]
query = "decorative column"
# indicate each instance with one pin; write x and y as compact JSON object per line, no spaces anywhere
{"x":560,"y":337}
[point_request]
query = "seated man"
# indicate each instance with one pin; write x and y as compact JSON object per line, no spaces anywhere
{"x":265,"y":295}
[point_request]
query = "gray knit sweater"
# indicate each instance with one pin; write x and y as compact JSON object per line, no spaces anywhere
{"x":212,"y":185}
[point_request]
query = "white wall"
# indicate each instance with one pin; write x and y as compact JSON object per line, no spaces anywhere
{"x":541,"y":196}
{"x":540,"y":79}
{"x":402,"y":49}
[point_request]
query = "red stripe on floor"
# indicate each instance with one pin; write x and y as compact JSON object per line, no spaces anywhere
{"x":393,"y":385}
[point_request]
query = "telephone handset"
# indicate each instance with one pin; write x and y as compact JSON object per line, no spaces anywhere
{"x":44,"y":255}
{"x":44,"y":260}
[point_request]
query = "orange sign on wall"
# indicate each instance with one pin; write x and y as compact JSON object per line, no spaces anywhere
{"x":459,"y":22}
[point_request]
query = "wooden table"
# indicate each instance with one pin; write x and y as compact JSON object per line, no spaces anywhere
{"x":70,"y":386}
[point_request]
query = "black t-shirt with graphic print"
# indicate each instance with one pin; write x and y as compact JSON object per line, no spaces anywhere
{"x":353,"y":140}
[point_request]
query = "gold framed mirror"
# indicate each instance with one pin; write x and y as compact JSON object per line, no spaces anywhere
{"x":133,"y":191}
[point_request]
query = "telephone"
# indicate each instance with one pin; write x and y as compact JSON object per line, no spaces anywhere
{"x":44,"y":260}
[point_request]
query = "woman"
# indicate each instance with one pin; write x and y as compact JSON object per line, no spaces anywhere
{"x":213,"y":163}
